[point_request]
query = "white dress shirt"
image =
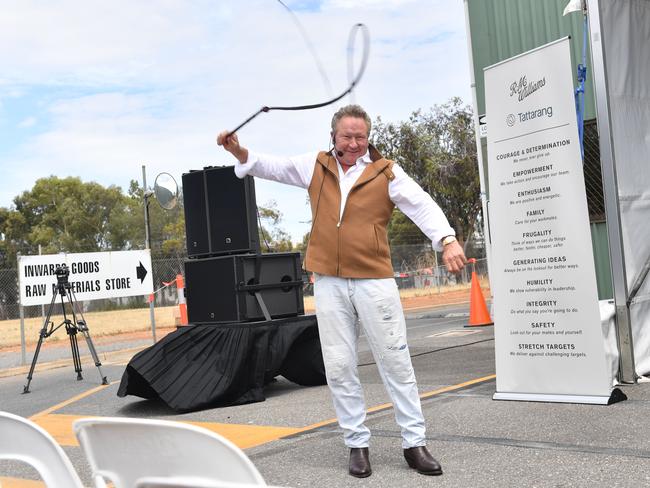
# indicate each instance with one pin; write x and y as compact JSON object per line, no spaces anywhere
{"x":405,"y":193}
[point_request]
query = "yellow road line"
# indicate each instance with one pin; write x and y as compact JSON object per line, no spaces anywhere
{"x":20,"y":483}
{"x":72,"y":400}
{"x":458,"y":386}
{"x":386,"y":406}
{"x":60,"y":427}
{"x":244,"y":436}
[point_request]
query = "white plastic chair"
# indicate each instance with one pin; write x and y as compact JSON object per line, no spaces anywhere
{"x":125,"y":450}
{"x":23,"y":440}
{"x":190,"y":482}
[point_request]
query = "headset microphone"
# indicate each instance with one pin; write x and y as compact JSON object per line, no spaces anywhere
{"x":338,"y":153}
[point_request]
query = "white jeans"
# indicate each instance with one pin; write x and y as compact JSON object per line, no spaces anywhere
{"x":341,"y":305}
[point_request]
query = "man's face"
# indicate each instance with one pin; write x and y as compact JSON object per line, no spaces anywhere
{"x":351,"y":138}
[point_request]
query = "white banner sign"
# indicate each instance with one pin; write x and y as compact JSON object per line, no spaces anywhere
{"x":549,"y":343}
{"x":92,"y":276}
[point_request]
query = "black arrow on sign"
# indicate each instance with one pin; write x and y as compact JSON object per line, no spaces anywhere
{"x":141,"y":272}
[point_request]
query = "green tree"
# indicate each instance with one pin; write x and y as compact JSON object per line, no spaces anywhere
{"x":60,"y":214}
{"x":13,"y":227}
{"x":167,"y":227}
{"x":437,"y":149}
{"x":67,"y":215}
{"x":173,"y":242}
{"x":273,"y":239}
{"x":302,"y":246}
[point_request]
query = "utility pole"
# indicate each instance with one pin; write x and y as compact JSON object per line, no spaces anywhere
{"x":147,"y":238}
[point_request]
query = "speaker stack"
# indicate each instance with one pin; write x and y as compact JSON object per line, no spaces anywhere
{"x":227,"y":278}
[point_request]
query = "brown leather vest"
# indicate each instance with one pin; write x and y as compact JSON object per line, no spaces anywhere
{"x":357,"y":245}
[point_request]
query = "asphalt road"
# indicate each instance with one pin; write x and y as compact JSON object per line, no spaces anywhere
{"x":480,"y":442}
{"x":55,"y":374}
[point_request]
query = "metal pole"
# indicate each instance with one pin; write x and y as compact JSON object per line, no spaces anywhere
{"x":627,"y":369}
{"x":40,"y":252}
{"x":583,"y":79}
{"x":21,"y":311}
{"x":147,"y":238}
{"x":479,"y":150}
{"x":23,"y":347}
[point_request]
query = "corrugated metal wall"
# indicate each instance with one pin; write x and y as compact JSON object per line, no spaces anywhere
{"x":601,"y":257}
{"x":500,"y":29}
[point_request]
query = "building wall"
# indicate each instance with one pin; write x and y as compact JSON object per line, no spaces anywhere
{"x":501,"y":29}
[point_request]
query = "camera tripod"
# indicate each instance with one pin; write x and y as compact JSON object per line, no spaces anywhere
{"x":72,"y":327}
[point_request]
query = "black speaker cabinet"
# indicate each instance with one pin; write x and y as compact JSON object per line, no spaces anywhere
{"x":220,"y":212}
{"x":222,"y":289}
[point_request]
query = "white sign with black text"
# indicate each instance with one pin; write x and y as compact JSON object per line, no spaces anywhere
{"x":482,"y":126}
{"x":549,"y":341}
{"x":92,"y":275}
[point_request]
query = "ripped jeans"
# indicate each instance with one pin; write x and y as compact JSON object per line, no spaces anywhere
{"x":341,"y":305}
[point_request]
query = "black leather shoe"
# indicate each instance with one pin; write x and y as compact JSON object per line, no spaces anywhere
{"x":420,"y":458}
{"x":360,"y":462}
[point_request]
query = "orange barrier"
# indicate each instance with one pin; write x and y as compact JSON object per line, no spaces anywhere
{"x":182,"y":318}
{"x":478,"y":312}
{"x":182,"y":305}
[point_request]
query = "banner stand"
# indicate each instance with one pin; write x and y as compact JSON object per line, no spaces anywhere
{"x":616,"y":396}
{"x":552,"y":340}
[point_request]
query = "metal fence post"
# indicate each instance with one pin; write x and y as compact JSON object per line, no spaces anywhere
{"x":23,"y":345}
{"x":147,"y":238}
{"x":21,"y":311}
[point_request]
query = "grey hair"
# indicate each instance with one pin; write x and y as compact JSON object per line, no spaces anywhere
{"x":351,"y":111}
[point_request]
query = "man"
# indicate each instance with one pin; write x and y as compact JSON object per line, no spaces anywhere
{"x":353,"y":191}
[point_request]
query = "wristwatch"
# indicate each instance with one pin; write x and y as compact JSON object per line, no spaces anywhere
{"x":447,"y":240}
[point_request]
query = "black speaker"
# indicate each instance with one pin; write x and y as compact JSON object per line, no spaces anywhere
{"x":220,"y":212}
{"x":222,"y":289}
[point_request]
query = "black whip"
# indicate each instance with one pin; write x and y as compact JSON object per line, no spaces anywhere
{"x":311,"y":48}
{"x":364,"y":61}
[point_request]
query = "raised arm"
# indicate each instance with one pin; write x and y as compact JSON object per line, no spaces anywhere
{"x":294,"y":170}
{"x":230,"y":143}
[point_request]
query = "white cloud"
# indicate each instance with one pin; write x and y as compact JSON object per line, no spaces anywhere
{"x":120,"y":84}
{"x":26,"y":123}
{"x":362,"y":4}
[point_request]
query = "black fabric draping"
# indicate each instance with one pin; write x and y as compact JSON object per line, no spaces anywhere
{"x":202,"y":366}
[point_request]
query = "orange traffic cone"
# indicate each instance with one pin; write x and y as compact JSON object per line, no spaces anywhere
{"x":478,"y":312}
{"x":182,"y":304}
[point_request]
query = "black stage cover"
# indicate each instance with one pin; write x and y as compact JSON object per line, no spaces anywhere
{"x":204,"y":366}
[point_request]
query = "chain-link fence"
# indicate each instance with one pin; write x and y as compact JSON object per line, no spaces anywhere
{"x":8,"y":293}
{"x":164,"y":271}
{"x":593,"y":176}
{"x":419,"y":266}
{"x":416,"y":266}
{"x":438,"y":279}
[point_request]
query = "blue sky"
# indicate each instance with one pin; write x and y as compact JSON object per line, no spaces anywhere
{"x":97,"y":89}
